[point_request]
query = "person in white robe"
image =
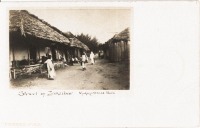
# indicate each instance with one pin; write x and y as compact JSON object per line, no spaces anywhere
{"x":92,"y":57}
{"x":50,"y":68}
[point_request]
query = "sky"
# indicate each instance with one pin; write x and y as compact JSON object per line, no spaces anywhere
{"x":99,"y":23}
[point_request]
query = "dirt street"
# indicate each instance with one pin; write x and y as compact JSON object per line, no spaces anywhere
{"x":100,"y":76}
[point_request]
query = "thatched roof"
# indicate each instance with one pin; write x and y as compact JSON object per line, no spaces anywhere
{"x":85,"y":47}
{"x":123,"y":35}
{"x":74,"y":42}
{"x":28,"y":24}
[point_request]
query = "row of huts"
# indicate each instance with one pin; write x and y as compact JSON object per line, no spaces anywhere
{"x":117,"y":48}
{"x":32,"y":39}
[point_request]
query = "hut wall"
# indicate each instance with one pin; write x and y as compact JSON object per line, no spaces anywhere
{"x":119,"y":51}
{"x":122,"y":50}
{"x":107,"y":54}
{"x":114,"y":52}
{"x":115,"y":57}
{"x":128,"y":49}
{"x":111,"y":51}
{"x":20,"y":51}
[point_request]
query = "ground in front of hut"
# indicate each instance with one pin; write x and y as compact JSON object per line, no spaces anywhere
{"x":100,"y":76}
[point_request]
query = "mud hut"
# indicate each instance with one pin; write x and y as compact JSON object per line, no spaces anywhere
{"x":31,"y":39}
{"x":117,"y":48}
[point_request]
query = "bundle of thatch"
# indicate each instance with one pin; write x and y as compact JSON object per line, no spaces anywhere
{"x":28,"y":24}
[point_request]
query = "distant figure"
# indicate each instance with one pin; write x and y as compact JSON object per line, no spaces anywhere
{"x":83,"y":61}
{"x":99,"y":53}
{"x":92,"y":57}
{"x":50,"y":68}
{"x":102,"y":54}
{"x":86,"y":58}
{"x":72,"y":61}
{"x":76,"y":60}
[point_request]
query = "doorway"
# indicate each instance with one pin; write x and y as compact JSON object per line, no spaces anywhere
{"x":33,"y":53}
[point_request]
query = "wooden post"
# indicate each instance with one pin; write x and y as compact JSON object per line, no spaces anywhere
{"x":128,"y":47}
{"x":124,"y":45}
{"x":113,"y":58}
{"x":122,"y":50}
{"x":14,"y":75}
{"x":126,"y":50}
{"x":110,"y":50}
{"x":113,"y":50}
{"x":117,"y":51}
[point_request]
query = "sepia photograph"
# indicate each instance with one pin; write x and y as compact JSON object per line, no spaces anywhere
{"x":75,"y":48}
{"x":99,"y":64}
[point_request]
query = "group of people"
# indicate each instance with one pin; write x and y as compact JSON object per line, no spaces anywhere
{"x":51,"y":74}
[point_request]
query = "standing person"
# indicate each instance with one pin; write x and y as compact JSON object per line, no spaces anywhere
{"x":50,"y":68}
{"x":92,"y":57}
{"x":99,"y":53}
{"x":83,"y":61}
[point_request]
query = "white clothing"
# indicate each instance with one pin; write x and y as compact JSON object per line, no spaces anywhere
{"x":83,"y":58}
{"x":50,"y":69}
{"x":83,"y":61}
{"x":83,"y":65}
{"x":92,"y":57}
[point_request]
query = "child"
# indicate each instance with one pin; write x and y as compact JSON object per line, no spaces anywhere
{"x":83,"y":61}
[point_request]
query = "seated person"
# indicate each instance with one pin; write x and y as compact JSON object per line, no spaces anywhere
{"x":76,"y":60}
{"x":72,"y":61}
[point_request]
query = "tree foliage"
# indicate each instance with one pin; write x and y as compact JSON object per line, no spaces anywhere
{"x":103,"y":47}
{"x":91,"y":42}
